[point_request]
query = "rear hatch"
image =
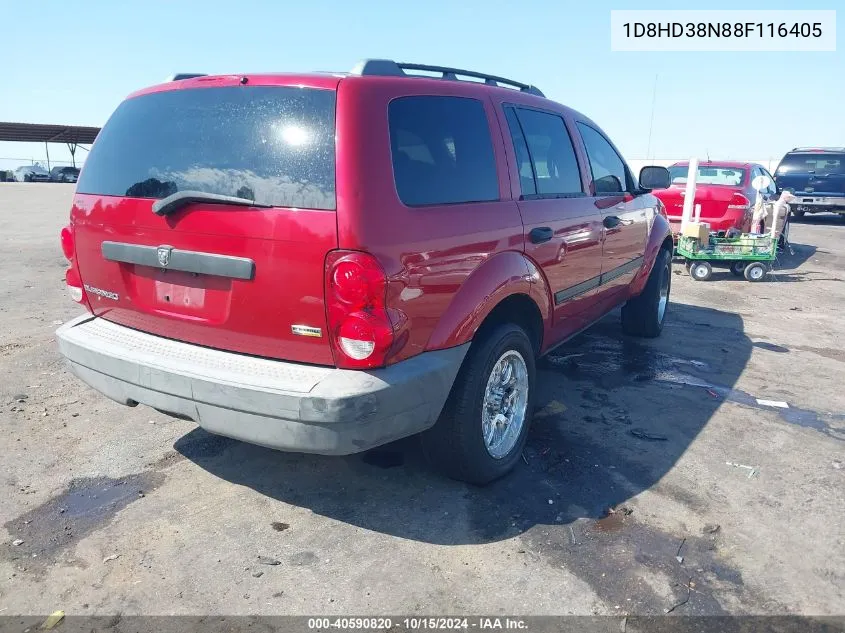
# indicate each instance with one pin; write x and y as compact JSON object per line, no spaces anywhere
{"x":812,"y":173}
{"x":230,"y":276}
{"x":716,"y":189}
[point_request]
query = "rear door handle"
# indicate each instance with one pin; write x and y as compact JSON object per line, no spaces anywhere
{"x":611,"y":222}
{"x":540,"y":234}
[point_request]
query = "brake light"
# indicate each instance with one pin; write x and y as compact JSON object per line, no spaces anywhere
{"x":67,"y":242}
{"x":739,"y":201}
{"x":72,"y":278}
{"x":360,"y":330}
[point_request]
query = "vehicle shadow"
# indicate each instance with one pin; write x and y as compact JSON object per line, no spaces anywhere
{"x":603,"y":432}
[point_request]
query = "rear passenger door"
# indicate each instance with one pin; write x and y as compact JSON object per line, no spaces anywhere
{"x":623,"y":216}
{"x":562,"y":225}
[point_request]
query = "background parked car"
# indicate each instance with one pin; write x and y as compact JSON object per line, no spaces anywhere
{"x":32,"y":173}
{"x":64,"y":174}
{"x":723,"y":189}
{"x":816,"y":176}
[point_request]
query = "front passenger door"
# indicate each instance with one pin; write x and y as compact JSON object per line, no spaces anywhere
{"x":624,"y":222}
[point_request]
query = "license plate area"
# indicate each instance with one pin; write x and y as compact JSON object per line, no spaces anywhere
{"x":182,"y":294}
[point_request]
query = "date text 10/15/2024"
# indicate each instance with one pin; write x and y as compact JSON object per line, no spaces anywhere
{"x":417,"y":624}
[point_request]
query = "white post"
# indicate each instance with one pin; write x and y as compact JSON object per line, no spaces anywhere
{"x":697,"y":212}
{"x":689,"y":194}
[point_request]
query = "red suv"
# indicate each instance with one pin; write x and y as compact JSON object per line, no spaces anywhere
{"x":329,"y":262}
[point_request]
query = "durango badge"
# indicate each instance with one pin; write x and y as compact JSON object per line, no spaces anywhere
{"x":164,"y":255}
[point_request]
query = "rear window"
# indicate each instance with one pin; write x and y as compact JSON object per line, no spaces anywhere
{"x":274,"y":145}
{"x":817,"y":163}
{"x":441,"y":150}
{"x":709,"y":175}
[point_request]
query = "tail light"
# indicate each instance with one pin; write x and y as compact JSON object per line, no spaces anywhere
{"x":739,"y":201}
{"x":72,"y":278}
{"x":360,"y":330}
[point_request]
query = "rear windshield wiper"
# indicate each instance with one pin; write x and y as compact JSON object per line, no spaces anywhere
{"x":181,"y":199}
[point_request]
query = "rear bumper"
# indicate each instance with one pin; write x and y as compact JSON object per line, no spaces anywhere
{"x":273,"y":403}
{"x":820,"y":203}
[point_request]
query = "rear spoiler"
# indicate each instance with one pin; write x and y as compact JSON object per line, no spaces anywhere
{"x":180,"y":76}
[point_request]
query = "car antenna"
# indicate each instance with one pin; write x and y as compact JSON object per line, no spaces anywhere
{"x":708,"y":155}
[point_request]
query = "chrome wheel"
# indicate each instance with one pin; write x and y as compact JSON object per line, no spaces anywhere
{"x":663,"y":297}
{"x":505,"y":404}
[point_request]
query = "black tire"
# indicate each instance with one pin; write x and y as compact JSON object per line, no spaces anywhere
{"x":755,"y":271}
{"x":455,"y":444}
{"x":701,"y":271}
{"x":738,"y":268}
{"x":642,"y":315}
{"x":798,"y":214}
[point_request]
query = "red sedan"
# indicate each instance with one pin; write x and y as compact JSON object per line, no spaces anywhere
{"x":723,"y":189}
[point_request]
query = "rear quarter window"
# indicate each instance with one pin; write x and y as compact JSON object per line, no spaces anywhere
{"x":441,"y":150}
{"x":274,"y":145}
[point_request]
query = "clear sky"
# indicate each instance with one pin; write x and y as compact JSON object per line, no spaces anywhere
{"x":72,"y":62}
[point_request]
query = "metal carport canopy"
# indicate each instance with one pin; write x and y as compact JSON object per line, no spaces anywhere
{"x":41,"y":133}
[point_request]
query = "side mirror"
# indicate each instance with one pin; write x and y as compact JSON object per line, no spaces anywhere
{"x":654,"y":177}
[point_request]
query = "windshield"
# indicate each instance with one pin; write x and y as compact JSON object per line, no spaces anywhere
{"x":709,"y":175}
{"x":273,"y":145}
{"x":820,"y":164}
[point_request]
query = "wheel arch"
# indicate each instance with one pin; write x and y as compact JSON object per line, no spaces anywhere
{"x":508,"y":287}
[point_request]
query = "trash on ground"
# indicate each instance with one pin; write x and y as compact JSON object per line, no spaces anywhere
{"x":17,"y":541}
{"x":110,"y":558}
{"x":257,"y":574}
{"x":713,"y":393}
{"x":751,"y":470}
{"x":689,"y":586}
{"x":772,"y":403}
{"x":266,"y":560}
{"x":553,"y":408}
{"x":711,"y":528}
{"x":678,"y":556}
{"x":645,"y":435}
{"x":279,"y":526}
{"x":53,"y":619}
{"x":623,"y":510}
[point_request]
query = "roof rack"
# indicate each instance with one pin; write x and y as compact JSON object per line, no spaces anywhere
{"x":180,"y":76}
{"x":390,"y":68}
{"x":818,"y":149}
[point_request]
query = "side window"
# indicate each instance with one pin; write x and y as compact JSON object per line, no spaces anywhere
{"x":523,"y":158}
{"x":551,"y":153}
{"x":442,"y":151}
{"x":608,"y":168}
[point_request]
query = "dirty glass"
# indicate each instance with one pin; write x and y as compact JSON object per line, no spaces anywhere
{"x":274,"y":145}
